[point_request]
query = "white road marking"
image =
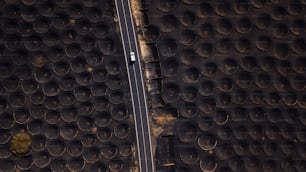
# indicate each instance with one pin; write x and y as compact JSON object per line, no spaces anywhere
{"x":137,"y":90}
{"x":143,"y":138}
{"x":144,"y":92}
{"x":131,"y":89}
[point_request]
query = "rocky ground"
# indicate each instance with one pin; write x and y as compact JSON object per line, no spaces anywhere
{"x":64,"y":84}
{"x":232,"y":74}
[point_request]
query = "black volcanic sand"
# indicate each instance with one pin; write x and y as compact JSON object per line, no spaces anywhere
{"x":63,"y":81}
{"x":235,"y":73}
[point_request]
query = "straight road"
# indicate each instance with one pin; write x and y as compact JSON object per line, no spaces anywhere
{"x":138,"y":95}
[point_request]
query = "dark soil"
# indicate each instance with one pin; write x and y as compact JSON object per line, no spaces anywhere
{"x":235,"y":72}
{"x":63,"y":81}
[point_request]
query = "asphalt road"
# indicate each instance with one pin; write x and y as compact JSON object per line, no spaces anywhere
{"x":138,"y":96}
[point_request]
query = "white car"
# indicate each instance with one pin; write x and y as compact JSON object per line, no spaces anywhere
{"x":132,"y":56}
